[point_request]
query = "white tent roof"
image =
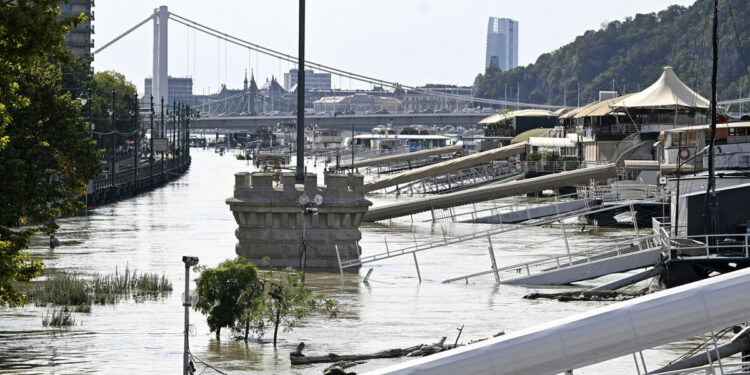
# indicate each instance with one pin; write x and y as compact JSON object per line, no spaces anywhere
{"x":667,"y":92}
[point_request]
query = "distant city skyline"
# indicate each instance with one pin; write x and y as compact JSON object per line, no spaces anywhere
{"x":412,"y":42}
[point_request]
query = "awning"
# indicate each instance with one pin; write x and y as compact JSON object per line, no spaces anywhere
{"x":601,"y":108}
{"x":667,"y":92}
{"x":500,"y":117}
{"x":551,"y":142}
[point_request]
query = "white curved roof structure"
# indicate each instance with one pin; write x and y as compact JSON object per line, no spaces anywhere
{"x":598,"y":335}
{"x":667,"y":92}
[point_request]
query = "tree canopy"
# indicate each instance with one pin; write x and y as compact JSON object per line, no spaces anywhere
{"x":46,"y":156}
{"x":632,"y":53}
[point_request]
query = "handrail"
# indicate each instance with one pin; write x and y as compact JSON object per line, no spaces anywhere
{"x":562,"y":261}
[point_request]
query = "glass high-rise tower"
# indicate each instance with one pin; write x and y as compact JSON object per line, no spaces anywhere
{"x":502,"y":43}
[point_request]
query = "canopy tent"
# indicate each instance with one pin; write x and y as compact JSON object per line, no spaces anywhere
{"x":575,"y":111}
{"x":601,"y":108}
{"x":500,"y":117}
{"x":667,"y":92}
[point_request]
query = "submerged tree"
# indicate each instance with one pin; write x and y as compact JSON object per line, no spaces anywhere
{"x":286,"y":301}
{"x":220,"y":289}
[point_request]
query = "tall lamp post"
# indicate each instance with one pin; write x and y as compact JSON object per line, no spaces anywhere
{"x":136,"y":140}
{"x":187,"y":302}
{"x":111,"y":112}
{"x":151,"y":150}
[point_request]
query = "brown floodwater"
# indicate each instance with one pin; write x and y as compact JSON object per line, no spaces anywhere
{"x":188,"y":216}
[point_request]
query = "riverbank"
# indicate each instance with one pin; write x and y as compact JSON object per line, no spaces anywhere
{"x":188,"y":216}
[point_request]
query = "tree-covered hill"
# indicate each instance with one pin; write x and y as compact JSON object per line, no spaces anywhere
{"x":632,"y":53}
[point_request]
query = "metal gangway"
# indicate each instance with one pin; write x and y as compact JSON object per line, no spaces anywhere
{"x":575,"y":266}
{"x":463,"y":179}
{"x":584,"y":199}
{"x":485,"y":234}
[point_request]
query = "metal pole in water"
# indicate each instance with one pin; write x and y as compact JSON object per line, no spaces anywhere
{"x":300,"y":173}
{"x":189,"y":262}
{"x":492,"y":258}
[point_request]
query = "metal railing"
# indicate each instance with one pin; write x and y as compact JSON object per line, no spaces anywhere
{"x":462,"y":179}
{"x":104,"y":181}
{"x":563,"y":261}
{"x":706,"y":246}
{"x":447,"y":240}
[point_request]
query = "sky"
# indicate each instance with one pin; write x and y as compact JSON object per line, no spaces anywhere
{"x":413,"y":42}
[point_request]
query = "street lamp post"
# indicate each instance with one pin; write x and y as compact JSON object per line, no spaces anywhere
{"x":136,"y":140}
{"x":174,"y":128}
{"x":151,"y":151}
{"x":161,"y":134}
{"x":112,"y":116}
{"x":186,"y":303}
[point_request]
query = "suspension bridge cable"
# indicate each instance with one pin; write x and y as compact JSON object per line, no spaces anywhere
{"x":283,"y":56}
{"x":122,"y":35}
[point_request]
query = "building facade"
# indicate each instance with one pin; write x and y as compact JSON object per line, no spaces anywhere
{"x":420,"y":100}
{"x":179,"y":89}
{"x":313,"y":81}
{"x":359,"y":103}
{"x":502,"y":43}
{"x":78,"y":40}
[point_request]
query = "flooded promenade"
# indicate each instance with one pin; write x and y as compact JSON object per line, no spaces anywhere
{"x":188,"y":216}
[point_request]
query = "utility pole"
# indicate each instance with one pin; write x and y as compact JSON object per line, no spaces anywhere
{"x":505,"y":105}
{"x":711,"y":219}
{"x":518,"y":95}
{"x":565,"y":95}
{"x":112,"y":115}
{"x":300,"y":172}
{"x":578,"y":92}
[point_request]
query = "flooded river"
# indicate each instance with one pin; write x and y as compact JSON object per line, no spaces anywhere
{"x":189,"y":217}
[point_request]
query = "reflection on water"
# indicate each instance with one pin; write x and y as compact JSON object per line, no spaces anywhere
{"x":151,"y":232}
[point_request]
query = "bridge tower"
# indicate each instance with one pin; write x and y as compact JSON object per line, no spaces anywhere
{"x":160,"y":80}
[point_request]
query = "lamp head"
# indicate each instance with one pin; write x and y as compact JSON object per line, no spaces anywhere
{"x":190,"y":261}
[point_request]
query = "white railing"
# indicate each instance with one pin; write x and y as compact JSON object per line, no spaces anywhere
{"x":558,"y":262}
{"x":707,"y":246}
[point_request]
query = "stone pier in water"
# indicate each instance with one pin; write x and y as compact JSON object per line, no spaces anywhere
{"x":270,"y":218}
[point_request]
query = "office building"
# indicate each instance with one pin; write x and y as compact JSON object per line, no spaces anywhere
{"x":502,"y":44}
{"x":78,"y":40}
{"x":319,"y":81}
{"x":179,"y":89}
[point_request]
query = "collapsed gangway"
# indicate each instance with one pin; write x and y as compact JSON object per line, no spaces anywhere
{"x":599,"y":335}
{"x":447,"y":166}
{"x":404,"y":157}
{"x":491,"y":192}
{"x":478,"y":235}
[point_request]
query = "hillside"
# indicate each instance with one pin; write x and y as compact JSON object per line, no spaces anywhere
{"x":633,"y":52}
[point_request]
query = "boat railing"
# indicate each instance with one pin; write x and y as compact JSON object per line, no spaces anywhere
{"x":725,"y":245}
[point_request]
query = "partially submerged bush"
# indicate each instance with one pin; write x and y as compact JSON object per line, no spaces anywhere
{"x":62,"y":317}
{"x":61,"y":289}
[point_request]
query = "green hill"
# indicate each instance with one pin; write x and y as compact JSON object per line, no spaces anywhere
{"x":632,"y":53}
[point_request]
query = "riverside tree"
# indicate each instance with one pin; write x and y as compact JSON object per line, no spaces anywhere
{"x":46,"y":156}
{"x":220,"y":289}
{"x":286,"y":300}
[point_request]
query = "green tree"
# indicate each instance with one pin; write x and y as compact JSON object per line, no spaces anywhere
{"x":632,"y":53}
{"x":219,"y":290}
{"x":286,"y":301}
{"x":102,"y":85}
{"x":46,"y":157}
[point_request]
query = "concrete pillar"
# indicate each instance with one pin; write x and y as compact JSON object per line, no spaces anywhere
{"x":270,"y":218}
{"x":159,"y":81}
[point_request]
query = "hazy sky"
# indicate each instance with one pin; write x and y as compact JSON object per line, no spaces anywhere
{"x":409,"y":41}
